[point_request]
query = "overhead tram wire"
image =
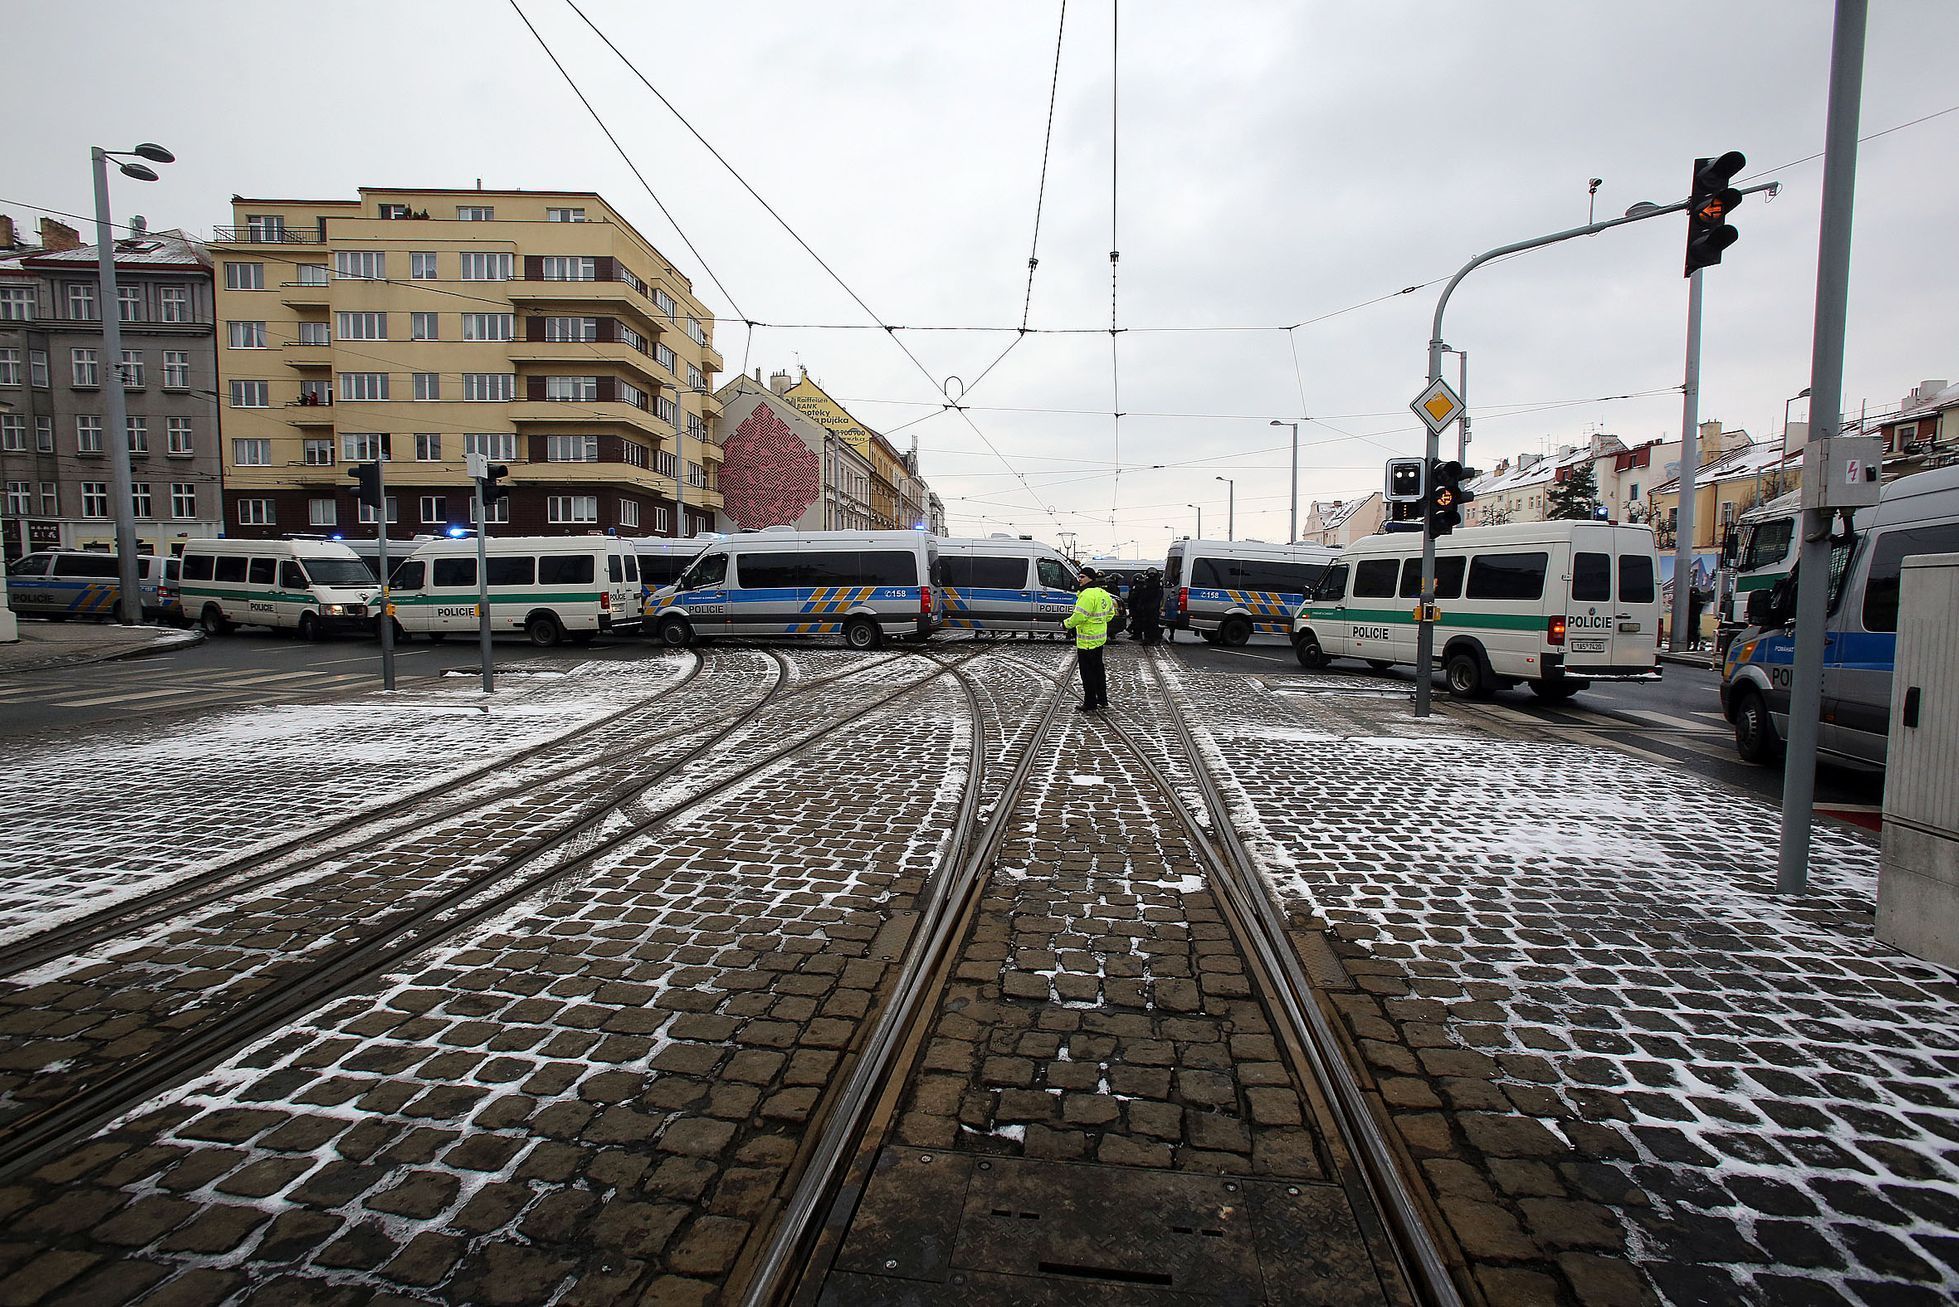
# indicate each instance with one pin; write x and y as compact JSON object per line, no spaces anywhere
{"x":794,"y":235}
{"x":1040,"y":195}
{"x":1115,"y":252}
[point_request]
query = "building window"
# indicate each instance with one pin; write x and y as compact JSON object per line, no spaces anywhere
{"x":50,"y":499}
{"x":569,"y":267}
{"x":95,"y":499}
{"x":9,"y":367}
{"x":659,"y":517}
{"x":173,"y":303}
{"x":365,"y":447}
{"x":695,"y":381}
{"x":428,"y":447}
{"x":628,"y":512}
{"x":485,"y":265}
{"x":13,"y":433}
{"x":244,"y":276}
{"x":392,"y":211}
{"x":573,"y":388}
{"x":132,"y":369}
{"x":664,"y":302}
{"x":265,"y":228}
{"x":315,"y":333}
{"x":664,"y":357}
{"x":622,"y":273}
{"x":571,"y":329}
{"x":129,"y":303}
{"x":20,"y":498}
{"x":421,"y":326}
{"x":139,"y":434}
{"x":251,"y":453}
{"x":88,"y":434}
{"x":499,"y":511}
{"x":183,"y":500}
{"x":629,"y":336}
{"x":256,"y":512}
{"x":428,"y":385}
{"x":322,"y":512}
{"x":697,"y":331}
{"x":82,"y":361}
{"x":319,"y":451}
{"x":489,"y":386}
{"x":572,"y":510}
{"x":361,"y":265}
{"x":139,"y":496}
{"x":247,"y":335}
{"x":81,"y":301}
{"x":475,"y":213}
{"x":43,"y":434}
{"x":665,"y":464}
{"x":362,"y":386}
{"x":564,"y":215}
{"x":311,"y":274}
{"x":666,"y":411}
{"x":435,"y":509}
{"x":488,"y":326}
{"x":37,"y":368}
{"x":696,"y":475}
{"x":497,"y":446}
{"x":315,"y":393}
{"x":366,"y":513}
{"x":361,"y":326}
{"x":17,"y":304}
{"x":571,"y":449}
{"x":421,"y":265}
{"x":634,"y":453}
{"x":696,"y":426}
{"x":178,"y":440}
{"x":630,"y":394}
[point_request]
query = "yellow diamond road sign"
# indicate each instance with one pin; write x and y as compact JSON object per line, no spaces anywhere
{"x":1437,"y":406}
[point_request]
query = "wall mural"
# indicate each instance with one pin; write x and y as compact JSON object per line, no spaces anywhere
{"x":770,"y":477}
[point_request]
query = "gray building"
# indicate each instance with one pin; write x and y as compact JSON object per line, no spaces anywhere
{"x":54,"y":463}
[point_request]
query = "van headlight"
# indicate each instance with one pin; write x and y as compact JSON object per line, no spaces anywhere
{"x":335,"y":610}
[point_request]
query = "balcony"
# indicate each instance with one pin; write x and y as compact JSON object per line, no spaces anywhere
{"x":602,"y":296}
{"x":650,"y":376}
{"x":268,"y":236}
{"x":303,"y":294}
{"x":305,"y":413}
{"x":576,"y":413}
{"x":308,"y":356}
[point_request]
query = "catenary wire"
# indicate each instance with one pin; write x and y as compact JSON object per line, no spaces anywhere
{"x":1040,"y":194}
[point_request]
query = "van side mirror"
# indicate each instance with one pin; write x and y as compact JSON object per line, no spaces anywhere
{"x":1780,"y":606}
{"x":1757,"y":611}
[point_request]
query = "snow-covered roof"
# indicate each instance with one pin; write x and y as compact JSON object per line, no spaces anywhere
{"x":1333,"y":514}
{"x":165,"y":249}
{"x":1536,"y":473}
{"x":1750,"y":460}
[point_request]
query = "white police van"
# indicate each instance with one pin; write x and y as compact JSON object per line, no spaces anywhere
{"x":1005,"y":583}
{"x":306,"y":586}
{"x":1554,"y":604}
{"x":1226,"y":590}
{"x":862,"y":585}
{"x":547,"y":588}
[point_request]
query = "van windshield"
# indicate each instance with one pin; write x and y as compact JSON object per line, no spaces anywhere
{"x":339,"y":571}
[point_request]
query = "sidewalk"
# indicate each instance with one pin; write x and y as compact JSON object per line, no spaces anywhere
{"x":1627,"y":1068}
{"x":44,"y":644}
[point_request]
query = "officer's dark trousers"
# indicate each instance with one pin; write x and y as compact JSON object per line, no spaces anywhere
{"x":1095,"y":682}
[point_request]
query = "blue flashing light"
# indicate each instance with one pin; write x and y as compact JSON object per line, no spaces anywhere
{"x":458,"y":532}
{"x":337,"y":536}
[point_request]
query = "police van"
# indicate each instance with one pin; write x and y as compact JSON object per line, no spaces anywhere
{"x":1002,"y":583}
{"x":1553,"y":604}
{"x":1226,"y":590}
{"x":1918,"y":514}
{"x":547,"y":588}
{"x":63,"y":583}
{"x":862,"y":585}
{"x":661,"y":561}
{"x":1760,"y":551}
{"x":306,"y":586}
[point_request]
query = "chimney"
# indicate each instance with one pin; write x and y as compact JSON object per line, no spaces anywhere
{"x":56,"y":236}
{"x":1921,"y":395}
{"x":139,"y":227}
{"x":758,"y":376}
{"x":1711,"y":442}
{"x":7,"y":241}
{"x":779,"y":382}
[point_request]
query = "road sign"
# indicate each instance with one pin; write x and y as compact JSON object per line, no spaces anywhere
{"x":1437,"y":406}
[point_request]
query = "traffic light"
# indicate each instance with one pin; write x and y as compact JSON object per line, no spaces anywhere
{"x":1406,"y":480}
{"x":493,"y":490}
{"x":368,"y":484}
{"x":1447,"y":493}
{"x":1712,"y":199}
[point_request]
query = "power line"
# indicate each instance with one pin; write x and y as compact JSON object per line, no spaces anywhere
{"x":1115,"y":248}
{"x":1040,"y":195}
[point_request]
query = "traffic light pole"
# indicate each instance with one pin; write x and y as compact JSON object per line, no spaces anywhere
{"x":1681,"y":639}
{"x":129,"y":596}
{"x":1825,"y":415}
{"x":381,"y":550}
{"x":483,"y":586}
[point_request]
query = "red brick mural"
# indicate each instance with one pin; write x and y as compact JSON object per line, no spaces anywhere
{"x":770,"y":477}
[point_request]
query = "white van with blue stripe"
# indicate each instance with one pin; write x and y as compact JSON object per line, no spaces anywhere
{"x":64,"y":583}
{"x":1005,"y":583}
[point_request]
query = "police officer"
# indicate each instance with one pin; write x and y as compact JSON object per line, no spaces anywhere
{"x":1095,"y":608}
{"x":1146,"y":607}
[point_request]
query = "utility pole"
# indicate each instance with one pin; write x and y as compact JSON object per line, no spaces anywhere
{"x":1292,"y":533}
{"x":479,"y":466}
{"x":129,"y":599}
{"x":1230,"y":507}
{"x":1690,"y":462}
{"x":1462,"y":393}
{"x":1825,"y":417}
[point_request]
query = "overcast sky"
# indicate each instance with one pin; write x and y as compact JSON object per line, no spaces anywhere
{"x":1274,"y":164}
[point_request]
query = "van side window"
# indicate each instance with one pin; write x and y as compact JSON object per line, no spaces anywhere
{"x":615,"y":568}
{"x":997,"y":573}
{"x":32,"y":565}
{"x":448,"y":573}
{"x":632,"y":567}
{"x":1591,"y":578}
{"x":506,"y":570}
{"x":263,"y":570}
{"x":231,"y":569}
{"x":1277,"y":578}
{"x":1882,"y":586}
{"x":1208,"y":574}
{"x":292,"y":576}
{"x":1768,"y":543}
{"x":1508,"y":576}
{"x":1448,"y":577}
{"x":1374,"y":578}
{"x":85,"y":565}
{"x":655,"y":569}
{"x":1636,"y":580}
{"x":197,"y":567}
{"x":1332,"y":583}
{"x":770,"y":571}
{"x":1173,"y":575}
{"x":565,"y":569}
{"x":707,"y":570}
{"x":1411,"y":578}
{"x":173,"y":569}
{"x":896,"y":567}
{"x":1054,"y":574}
{"x":408,"y":576}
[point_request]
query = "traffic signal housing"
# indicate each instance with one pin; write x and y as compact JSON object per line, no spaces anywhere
{"x":493,"y":487}
{"x":1407,"y":480}
{"x":367,"y":484}
{"x":1448,"y":491}
{"x":1713,"y":197}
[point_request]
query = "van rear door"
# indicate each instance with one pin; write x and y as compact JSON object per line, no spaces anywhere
{"x":1054,"y":595}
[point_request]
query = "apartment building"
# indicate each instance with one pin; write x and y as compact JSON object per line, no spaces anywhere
{"x":900,"y":497}
{"x":785,"y":468}
{"x":54,"y":448}
{"x":419,"y":326}
{"x":1338,"y":523}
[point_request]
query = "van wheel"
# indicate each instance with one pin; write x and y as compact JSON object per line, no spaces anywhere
{"x":1234,"y":632}
{"x":213,"y":621}
{"x":1464,"y":674}
{"x":862,"y":633}
{"x":1556,"y":691}
{"x":1755,"y":738}
{"x":674,"y":633}
{"x":1380,"y":664}
{"x":544,"y":630}
{"x":309,"y":627}
{"x":1309,"y":651}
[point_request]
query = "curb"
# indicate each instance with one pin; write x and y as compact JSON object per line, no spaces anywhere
{"x":185,"y":640}
{"x":1704,"y":662}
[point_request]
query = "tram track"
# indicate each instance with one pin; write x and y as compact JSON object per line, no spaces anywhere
{"x":33,"y":1137}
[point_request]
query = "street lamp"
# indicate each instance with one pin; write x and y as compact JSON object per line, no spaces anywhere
{"x":1462,"y":394}
{"x":1200,"y":519}
{"x":1292,"y":534}
{"x":1230,"y":507}
{"x":129,"y":600}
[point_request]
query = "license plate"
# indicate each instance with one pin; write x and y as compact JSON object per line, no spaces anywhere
{"x":1588,"y":646}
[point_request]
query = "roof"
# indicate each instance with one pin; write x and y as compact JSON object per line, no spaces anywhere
{"x":1542,"y":470}
{"x":1750,"y":460}
{"x":1335,"y":514}
{"x":159,"y":249}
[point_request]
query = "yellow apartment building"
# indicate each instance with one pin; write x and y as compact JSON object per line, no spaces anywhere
{"x":537,"y":327}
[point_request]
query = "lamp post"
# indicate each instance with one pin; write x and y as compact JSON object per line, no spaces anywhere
{"x":129,"y":600}
{"x":1292,"y":532}
{"x":1230,"y":507}
{"x":1462,"y":393}
{"x":1200,"y":519}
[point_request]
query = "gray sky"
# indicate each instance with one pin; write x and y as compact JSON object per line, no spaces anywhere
{"x":1276,"y":163}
